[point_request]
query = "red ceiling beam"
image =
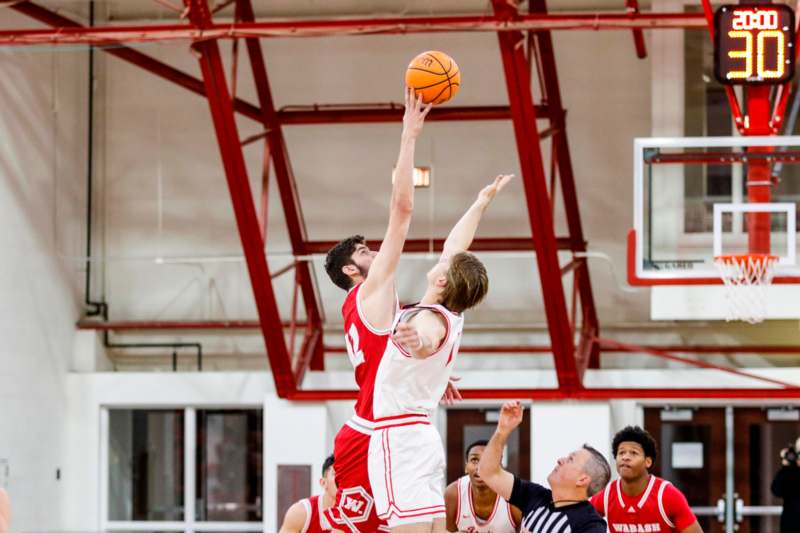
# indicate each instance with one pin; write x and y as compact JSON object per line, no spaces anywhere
{"x":582,"y":394}
{"x":221,"y":107}
{"x":632,"y":7}
{"x":389,"y":113}
{"x":112,"y":35}
{"x":485,"y":244}
{"x":284,"y":176}
{"x":589,"y":355}
{"x":540,"y":214}
{"x":134,"y":57}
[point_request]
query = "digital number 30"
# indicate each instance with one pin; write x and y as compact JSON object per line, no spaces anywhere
{"x":747,"y":54}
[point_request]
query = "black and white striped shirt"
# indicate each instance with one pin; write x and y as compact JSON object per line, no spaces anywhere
{"x":539,"y":515}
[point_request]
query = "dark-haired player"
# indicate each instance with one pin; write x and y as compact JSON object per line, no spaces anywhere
{"x":368,"y":310}
{"x":472,"y":506}
{"x":638,"y":500}
{"x":306,"y":515}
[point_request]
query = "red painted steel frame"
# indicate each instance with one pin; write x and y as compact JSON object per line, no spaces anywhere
{"x":540,"y":214}
{"x":588,"y":353}
{"x":108,"y":35}
{"x":288,"y":192}
{"x":221,"y":106}
{"x":771,"y":393}
{"x":508,"y":24}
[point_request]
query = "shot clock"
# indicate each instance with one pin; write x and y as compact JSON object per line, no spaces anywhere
{"x":754,"y":44}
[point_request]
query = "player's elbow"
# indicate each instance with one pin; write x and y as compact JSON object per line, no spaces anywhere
{"x":488,"y":472}
{"x":403,"y":205}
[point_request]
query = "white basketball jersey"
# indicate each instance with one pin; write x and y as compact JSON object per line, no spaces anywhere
{"x":500,"y":521}
{"x":405,"y":384}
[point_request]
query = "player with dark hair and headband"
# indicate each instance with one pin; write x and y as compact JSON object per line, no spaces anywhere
{"x":638,"y":500}
{"x":472,"y":506}
{"x":306,"y":515}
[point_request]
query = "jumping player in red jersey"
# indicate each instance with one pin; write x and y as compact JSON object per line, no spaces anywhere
{"x":639,"y":501}
{"x":306,"y":515}
{"x":368,"y":311}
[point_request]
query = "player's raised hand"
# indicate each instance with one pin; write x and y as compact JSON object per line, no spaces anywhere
{"x":510,"y":417}
{"x":407,"y":335}
{"x":451,"y":394}
{"x":488,"y":193}
{"x":414,"y":116}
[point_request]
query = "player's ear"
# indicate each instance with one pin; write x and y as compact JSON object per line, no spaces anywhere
{"x":648,"y":462}
{"x":350,"y":270}
{"x":583,"y":480}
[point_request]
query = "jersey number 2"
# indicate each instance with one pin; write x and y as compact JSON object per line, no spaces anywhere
{"x":353,"y":350}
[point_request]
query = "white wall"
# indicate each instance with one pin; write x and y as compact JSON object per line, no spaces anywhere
{"x":558,"y":428}
{"x":42,"y":180}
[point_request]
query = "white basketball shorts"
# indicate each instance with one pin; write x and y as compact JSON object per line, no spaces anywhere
{"x":406,"y":470}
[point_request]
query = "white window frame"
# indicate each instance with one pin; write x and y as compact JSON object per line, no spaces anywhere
{"x":189,"y":524}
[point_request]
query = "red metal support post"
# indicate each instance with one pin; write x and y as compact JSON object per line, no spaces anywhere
{"x":221,"y":106}
{"x":638,"y":36}
{"x":286,"y":182}
{"x":589,"y":356}
{"x":517,"y":76}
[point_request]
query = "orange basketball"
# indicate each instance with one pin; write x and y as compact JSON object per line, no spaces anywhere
{"x":434,"y":76}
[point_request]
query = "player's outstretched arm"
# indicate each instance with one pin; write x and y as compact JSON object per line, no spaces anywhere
{"x":295,"y":519}
{"x":377,"y":293}
{"x":464,"y":231}
{"x":489,"y":467}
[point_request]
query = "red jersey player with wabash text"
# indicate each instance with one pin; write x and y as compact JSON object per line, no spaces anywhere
{"x":639,"y":501}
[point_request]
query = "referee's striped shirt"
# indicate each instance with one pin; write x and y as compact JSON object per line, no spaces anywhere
{"x":539,"y":515}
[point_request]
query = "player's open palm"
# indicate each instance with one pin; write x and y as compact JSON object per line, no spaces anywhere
{"x":510,"y":416}
{"x":488,"y":193}
{"x":407,"y":335}
{"x":414,"y":116}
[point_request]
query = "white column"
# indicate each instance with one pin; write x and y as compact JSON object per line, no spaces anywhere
{"x":295,"y":433}
{"x":557,"y":428}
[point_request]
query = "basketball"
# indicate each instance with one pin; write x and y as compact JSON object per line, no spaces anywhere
{"x":434,"y":76}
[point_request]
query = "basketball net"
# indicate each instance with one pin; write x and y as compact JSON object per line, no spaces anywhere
{"x":746,"y":278}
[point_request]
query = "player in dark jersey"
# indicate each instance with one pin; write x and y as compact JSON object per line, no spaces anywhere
{"x":638,"y":500}
{"x":306,"y":515}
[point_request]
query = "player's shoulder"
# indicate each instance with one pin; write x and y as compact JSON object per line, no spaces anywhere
{"x":670,"y":493}
{"x":452,"y":490}
{"x":297,"y":512}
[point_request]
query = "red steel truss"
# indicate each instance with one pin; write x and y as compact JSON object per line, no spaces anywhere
{"x":525,"y":45}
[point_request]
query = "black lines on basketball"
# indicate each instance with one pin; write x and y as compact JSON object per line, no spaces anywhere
{"x":434,"y":76}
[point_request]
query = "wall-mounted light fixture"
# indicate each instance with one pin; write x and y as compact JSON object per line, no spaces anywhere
{"x":422,"y":177}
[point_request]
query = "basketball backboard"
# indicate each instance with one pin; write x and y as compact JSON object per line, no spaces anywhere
{"x":691,"y":205}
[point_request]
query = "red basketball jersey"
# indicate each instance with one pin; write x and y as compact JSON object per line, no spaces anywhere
{"x":365,"y":347}
{"x":661,"y":508}
{"x":315,"y":523}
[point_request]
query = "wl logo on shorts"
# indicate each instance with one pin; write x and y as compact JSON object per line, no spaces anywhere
{"x":355,"y":504}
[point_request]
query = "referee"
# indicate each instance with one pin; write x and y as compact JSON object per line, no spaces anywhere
{"x":563,"y":508}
